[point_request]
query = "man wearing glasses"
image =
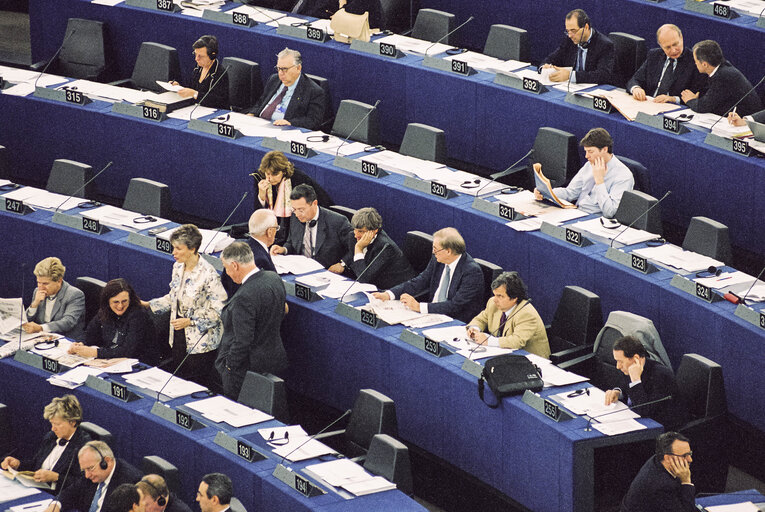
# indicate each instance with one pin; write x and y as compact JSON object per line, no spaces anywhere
{"x":584,"y":55}
{"x":664,"y":481}
{"x":290,"y":98}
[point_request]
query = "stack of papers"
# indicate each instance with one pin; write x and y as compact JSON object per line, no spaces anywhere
{"x":295,"y":264}
{"x":335,"y":286}
{"x":155,"y":380}
{"x":735,"y":507}
{"x":593,"y":405}
{"x":395,"y":312}
{"x":675,"y":257}
{"x":61,"y":353}
{"x":702,"y":120}
{"x":726,"y":280}
{"x":109,"y":93}
{"x":629,"y":107}
{"x":25,"y":478}
{"x":259,"y":14}
{"x":195,"y":111}
{"x":412,"y":45}
{"x":118,"y":218}
{"x":486,"y":63}
{"x":249,"y":126}
{"x":37,"y":506}
{"x":116,"y":365}
{"x":27,"y":80}
{"x":221,"y":409}
{"x":626,"y":235}
{"x":750,"y":7}
{"x":556,"y":216}
{"x":11,"y":490}
{"x":402,"y":164}
{"x":313,"y":141}
{"x":350,"y":476}
{"x":74,"y":378}
{"x":44,"y":199}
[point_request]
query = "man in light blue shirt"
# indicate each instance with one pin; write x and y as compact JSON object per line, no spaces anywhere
{"x":600,"y":183}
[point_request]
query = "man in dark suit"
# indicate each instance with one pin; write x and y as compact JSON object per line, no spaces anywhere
{"x":263,"y":227}
{"x":585,"y":55}
{"x":56,"y":305}
{"x":125,"y":498}
{"x":290,"y":98}
{"x":215,"y":493}
{"x":315,"y":232}
{"x":646,"y":380}
{"x":664,"y":481}
{"x":727,"y":85}
{"x":102,"y":474}
{"x":667,"y":70}
{"x":373,"y":257}
{"x":156,"y":497}
{"x":452,"y":283}
{"x":251,"y":321}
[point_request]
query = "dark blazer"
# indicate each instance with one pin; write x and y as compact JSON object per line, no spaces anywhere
{"x":68,"y":312}
{"x":251,"y":338}
{"x":79,"y":495}
{"x":388,"y":270}
{"x":370,"y":6}
{"x":465,"y":297}
{"x":333,"y":231}
{"x":599,"y":64}
{"x":686,"y":75}
{"x":218,"y":97}
{"x":726,"y":87}
{"x":176,"y":505}
{"x":657,"y":382}
{"x":136,"y":336}
{"x":307,"y":106}
{"x":262,"y":260}
{"x":66,"y":461}
{"x":654,"y":489}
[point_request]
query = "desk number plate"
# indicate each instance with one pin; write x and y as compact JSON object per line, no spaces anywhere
{"x":302,"y":291}
{"x":639,"y":263}
{"x":241,"y":18}
{"x":740,"y":146}
{"x":506,"y":212}
{"x":298,"y":148}
{"x":762,"y":320}
{"x":163,"y":245}
{"x":226,"y":130}
{"x":601,"y":104}
{"x":387,"y":50}
{"x":369,"y":168}
{"x":302,"y":485}
{"x":438,"y":189}
{"x":119,"y":392}
{"x":368,"y":318}
{"x":721,"y":10}
{"x":183,"y":419}
{"x":152,"y":113}
{"x":165,"y":5}
{"x":432,"y":347}
{"x":245,"y":451}
{"x":14,"y":205}
{"x":704,"y":292}
{"x":91,"y":225}
{"x":315,"y":34}
{"x":75,"y":97}
{"x":50,"y":365}
{"x":460,"y":66}
{"x":531,"y":85}
{"x":670,"y":125}
{"x":552,"y":410}
{"x":573,"y":237}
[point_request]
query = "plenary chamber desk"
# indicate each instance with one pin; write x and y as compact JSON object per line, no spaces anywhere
{"x":543,"y":465}
{"x":170,"y":153}
{"x":485,"y":123}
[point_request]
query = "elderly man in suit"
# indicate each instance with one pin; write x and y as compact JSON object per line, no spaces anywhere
{"x":251,"y":321}
{"x":451,"y":284}
{"x":510,"y":319}
{"x":56,"y":305}
{"x":290,"y":98}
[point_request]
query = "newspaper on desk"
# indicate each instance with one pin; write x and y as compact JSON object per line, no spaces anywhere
{"x":674,"y":257}
{"x":295,"y":264}
{"x":395,"y":312}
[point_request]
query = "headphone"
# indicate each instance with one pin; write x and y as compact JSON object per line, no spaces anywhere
{"x":712,"y":271}
{"x":585,"y":20}
{"x":161,"y":501}
{"x":46,"y":344}
{"x":211,"y":43}
{"x":103,"y":464}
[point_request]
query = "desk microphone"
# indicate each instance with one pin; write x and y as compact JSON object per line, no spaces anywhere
{"x":66,"y":475}
{"x":23,"y":311}
{"x":346,"y":413}
{"x":374,"y":107}
{"x":449,"y":33}
{"x":54,"y":56}
{"x":83,"y":186}
{"x":358,"y":278}
{"x":588,"y":428}
{"x":212,"y":86}
{"x":654,"y":205}
{"x":735,"y":299}
{"x":224,"y":222}
{"x":739,"y":101}
{"x":497,"y":175}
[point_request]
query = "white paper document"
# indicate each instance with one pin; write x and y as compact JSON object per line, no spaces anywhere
{"x":350,"y":476}
{"x":447,"y":334}
{"x":12,"y":490}
{"x":74,"y":377}
{"x":554,"y":376}
{"x":402,"y":164}
{"x":37,"y":506}
{"x":155,"y":379}
{"x":734,"y":507}
{"x":475,"y":354}
{"x":594,"y":406}
{"x":44,"y":199}
{"x":192,"y":111}
{"x":168,"y":86}
{"x":212,"y":241}
{"x":259,"y":14}
{"x":121,"y":219}
{"x":614,"y":428}
{"x":110,"y":3}
{"x":309,"y":450}
{"x":412,"y":45}
{"x":280,"y":434}
{"x":486,"y":63}
{"x":675,"y":257}
{"x":629,"y":107}
{"x":345,"y":289}
{"x":726,"y":280}
{"x":17,"y":75}
{"x":626,"y":235}
{"x":249,"y":126}
{"x":295,"y":264}
{"x":221,"y":409}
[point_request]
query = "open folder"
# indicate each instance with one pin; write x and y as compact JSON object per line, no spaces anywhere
{"x":546,"y":189}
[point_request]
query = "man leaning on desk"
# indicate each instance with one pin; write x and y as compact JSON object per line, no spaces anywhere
{"x":599,"y":185}
{"x":667,"y":70}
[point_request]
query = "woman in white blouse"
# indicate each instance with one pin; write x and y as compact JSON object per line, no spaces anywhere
{"x":195,"y":301}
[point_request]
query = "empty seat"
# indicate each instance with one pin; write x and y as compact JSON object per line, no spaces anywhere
{"x":156,"y":465}
{"x":5,"y":170}
{"x":357,"y":121}
{"x":68,"y":177}
{"x":395,"y":15}
{"x":91,"y":287}
{"x":418,"y":249}
{"x":154,"y":62}
{"x":98,"y":433}
{"x":148,"y":197}
{"x":633,"y":207}
{"x":345,"y":211}
{"x":433,"y":25}
{"x":267,"y":393}
{"x":505,"y":42}
{"x":328,"y":113}
{"x":639,"y":172}
{"x":577,"y":321}
{"x":708,"y":237}
{"x":558,"y":153}
{"x":490,"y":272}
{"x":425,"y":142}
{"x":83,"y":53}
{"x":389,"y":459}
{"x":236,"y":505}
{"x":245,"y":84}
{"x":629,"y":55}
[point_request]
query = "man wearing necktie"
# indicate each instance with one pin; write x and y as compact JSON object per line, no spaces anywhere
{"x":667,"y":70}
{"x":56,"y":305}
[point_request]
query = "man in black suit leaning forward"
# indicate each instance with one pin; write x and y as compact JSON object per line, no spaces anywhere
{"x":251,"y":321}
{"x":290,"y":98}
{"x":316,"y":232}
{"x":452,"y":283}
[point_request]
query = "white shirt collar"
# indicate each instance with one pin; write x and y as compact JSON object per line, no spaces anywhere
{"x":714,"y":71}
{"x":250,"y":274}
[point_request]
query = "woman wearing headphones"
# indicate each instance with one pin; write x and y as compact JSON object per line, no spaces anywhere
{"x":209,"y":76}
{"x":59,"y":447}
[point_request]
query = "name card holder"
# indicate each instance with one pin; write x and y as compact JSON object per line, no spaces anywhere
{"x":456,"y":66}
{"x":297,"y":482}
{"x":418,"y":341}
{"x":359,"y":166}
{"x":632,"y":261}
{"x":361,"y":316}
{"x":303,"y":32}
{"x":655,"y":1}
{"x":176,"y":417}
{"x":761,"y":22}
{"x":718,"y":10}
{"x":547,"y":407}
{"x":432,"y":188}
{"x":39,"y":362}
{"x":301,"y":291}
{"x":595,"y":103}
{"x":153,"y":243}
{"x":740,"y":147}
{"x":112,"y":389}
{"x":287,"y":147}
{"x":522,"y":84}
{"x":221,"y":130}
{"x":564,"y":234}
{"x":663,"y":123}
{"x":240,"y":19}
{"x":693,"y":288}
{"x":381,"y":49}
{"x":756,"y":318}
{"x":155,"y":5}
{"x":497,"y":209}
{"x":140,"y":111}
{"x":80,"y":223}
{"x":15,"y":206}
{"x":474,"y":368}
{"x":237,"y":447}
{"x":62,"y":95}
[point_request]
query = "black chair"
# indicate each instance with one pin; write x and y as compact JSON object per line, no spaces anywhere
{"x":245,"y":84}
{"x":633,"y":207}
{"x":5,"y":168}
{"x":357,"y":121}
{"x":6,"y":434}
{"x":432,"y":25}
{"x":389,"y":459}
{"x":557,"y":151}
{"x":575,"y":325}
{"x":505,"y":42}
{"x":490,"y":272}
{"x":68,"y":177}
{"x":148,"y":197}
{"x":708,"y":237}
{"x":373,"y":413}
{"x":84,"y":53}
{"x":97,"y":433}
{"x":328,"y":112}
{"x":629,"y":55}
{"x":394,"y":14}
{"x":154,"y":62}
{"x":418,"y":249}
{"x":639,"y":172}
{"x":424,"y":142}
{"x":345,"y":211}
{"x":91,"y":287}
{"x":267,"y":393}
{"x":155,"y":465}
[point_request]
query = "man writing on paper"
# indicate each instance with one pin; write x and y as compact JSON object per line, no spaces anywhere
{"x":600,"y":183}
{"x":452,"y":283}
{"x":667,"y":70}
{"x":585,"y":55}
{"x":511,"y":320}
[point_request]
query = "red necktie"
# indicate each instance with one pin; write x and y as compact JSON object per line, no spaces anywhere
{"x":271,"y":108}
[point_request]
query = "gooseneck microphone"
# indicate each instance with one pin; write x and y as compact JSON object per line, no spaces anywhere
{"x":346,"y":413}
{"x":374,"y":107}
{"x":212,"y":86}
{"x":742,"y":300}
{"x":225,"y":221}
{"x":358,"y":278}
{"x":506,"y":172}
{"x":83,"y":186}
{"x":54,"y":56}
{"x":588,"y":428}
{"x":739,"y":101}
{"x":654,"y":205}
{"x":449,"y":33}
